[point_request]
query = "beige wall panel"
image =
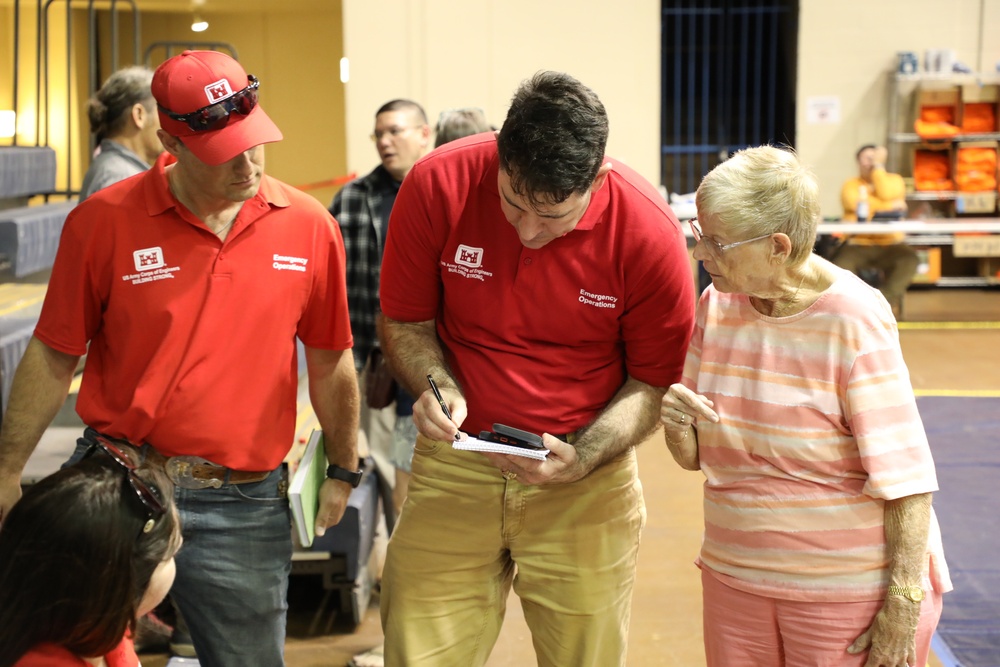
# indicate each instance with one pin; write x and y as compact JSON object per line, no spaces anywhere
{"x":847,"y":49}
{"x":445,"y":54}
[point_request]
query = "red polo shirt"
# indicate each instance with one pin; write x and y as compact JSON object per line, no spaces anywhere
{"x":50,"y":655}
{"x":538,"y":339}
{"x":192,"y":339}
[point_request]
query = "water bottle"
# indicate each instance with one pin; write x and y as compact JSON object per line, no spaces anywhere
{"x":862,"y":210}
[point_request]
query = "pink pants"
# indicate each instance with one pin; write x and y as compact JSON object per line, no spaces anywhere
{"x":747,"y":630}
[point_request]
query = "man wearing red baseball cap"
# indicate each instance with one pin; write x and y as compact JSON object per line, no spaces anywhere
{"x":198,"y":93}
{"x":187,"y":286}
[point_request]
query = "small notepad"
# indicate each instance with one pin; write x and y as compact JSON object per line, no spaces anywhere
{"x":476,"y":445}
{"x":303,"y":492}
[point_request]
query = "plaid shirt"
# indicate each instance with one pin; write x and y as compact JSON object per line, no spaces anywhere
{"x":358,"y":209}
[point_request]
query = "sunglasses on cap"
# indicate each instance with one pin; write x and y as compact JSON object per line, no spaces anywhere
{"x":216,"y":116}
{"x":147,"y":494}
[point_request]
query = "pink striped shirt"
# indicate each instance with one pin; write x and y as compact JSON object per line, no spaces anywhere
{"x":818,"y":428}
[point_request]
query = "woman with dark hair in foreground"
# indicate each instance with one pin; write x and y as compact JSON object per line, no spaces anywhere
{"x":83,"y":554}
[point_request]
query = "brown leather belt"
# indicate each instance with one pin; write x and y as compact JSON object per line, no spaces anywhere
{"x":204,"y":471}
{"x":192,"y":472}
{"x":215,"y":476}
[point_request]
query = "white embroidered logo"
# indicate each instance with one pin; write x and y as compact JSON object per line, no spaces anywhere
{"x":148,"y":259}
{"x":469,"y":256}
{"x":468,"y":263}
{"x":218,"y":91}
{"x":150,"y":267}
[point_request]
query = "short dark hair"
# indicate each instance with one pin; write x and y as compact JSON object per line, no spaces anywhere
{"x":857,"y":156}
{"x":400,"y":105}
{"x":553,"y":139}
{"x":108,"y":108}
{"x":75,"y":562}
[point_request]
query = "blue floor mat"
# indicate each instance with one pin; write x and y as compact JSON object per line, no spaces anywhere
{"x":965,"y":437}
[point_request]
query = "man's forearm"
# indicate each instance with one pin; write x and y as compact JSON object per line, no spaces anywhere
{"x":889,"y":187}
{"x":906,"y":524}
{"x":333,"y":391}
{"x":414,"y":351}
{"x":39,"y":389}
{"x":629,"y":418}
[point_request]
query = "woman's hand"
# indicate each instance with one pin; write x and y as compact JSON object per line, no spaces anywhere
{"x":891,"y":639}
{"x":679,"y":410}
{"x":681,"y":407}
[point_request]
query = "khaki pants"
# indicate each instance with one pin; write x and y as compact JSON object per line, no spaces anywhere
{"x":466,"y":535}
{"x":898,"y":264}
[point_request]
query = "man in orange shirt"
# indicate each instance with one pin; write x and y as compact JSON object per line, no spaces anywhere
{"x":884,"y":252}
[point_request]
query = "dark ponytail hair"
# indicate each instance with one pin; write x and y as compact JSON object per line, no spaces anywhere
{"x":109,"y":108}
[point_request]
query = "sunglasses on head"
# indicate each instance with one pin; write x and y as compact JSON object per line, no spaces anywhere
{"x":216,"y":116}
{"x":147,"y":494}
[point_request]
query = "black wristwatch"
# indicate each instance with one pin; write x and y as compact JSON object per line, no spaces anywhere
{"x":344,"y":475}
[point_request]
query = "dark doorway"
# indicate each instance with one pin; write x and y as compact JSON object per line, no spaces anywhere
{"x":728,"y":82}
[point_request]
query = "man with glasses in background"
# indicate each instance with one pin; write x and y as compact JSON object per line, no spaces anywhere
{"x":186,"y":287}
{"x":401,"y":137}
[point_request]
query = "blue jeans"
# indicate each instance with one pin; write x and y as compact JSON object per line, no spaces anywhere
{"x":232,"y":571}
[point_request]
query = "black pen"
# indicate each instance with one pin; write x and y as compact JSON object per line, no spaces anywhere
{"x":444,"y":406}
{"x":437,"y":395}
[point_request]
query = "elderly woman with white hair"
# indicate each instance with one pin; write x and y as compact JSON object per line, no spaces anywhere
{"x":821,"y":546}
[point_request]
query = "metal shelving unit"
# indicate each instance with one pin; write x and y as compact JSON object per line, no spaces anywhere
{"x":902,"y":141}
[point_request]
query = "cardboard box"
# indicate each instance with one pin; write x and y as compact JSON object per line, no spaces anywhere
{"x":989,"y":267}
{"x":979,"y":203}
{"x":942,"y":156}
{"x":974,"y":92}
{"x":975,"y":171}
{"x":988,"y":94}
{"x":929,"y":268}
{"x":976,"y":245}
{"x":944,"y":96}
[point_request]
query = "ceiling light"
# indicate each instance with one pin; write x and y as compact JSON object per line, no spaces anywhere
{"x":198,"y":24}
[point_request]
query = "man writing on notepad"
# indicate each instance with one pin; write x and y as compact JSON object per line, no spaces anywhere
{"x":547,"y":287}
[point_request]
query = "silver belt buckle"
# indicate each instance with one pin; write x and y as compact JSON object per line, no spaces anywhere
{"x":179,"y":469}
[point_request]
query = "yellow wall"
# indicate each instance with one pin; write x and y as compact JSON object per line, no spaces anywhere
{"x":62,"y":82}
{"x":295,"y":54}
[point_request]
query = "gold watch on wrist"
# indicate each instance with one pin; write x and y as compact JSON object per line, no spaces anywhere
{"x":911,"y":593}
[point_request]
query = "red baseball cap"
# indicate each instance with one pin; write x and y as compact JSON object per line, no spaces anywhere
{"x":197,"y":79}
